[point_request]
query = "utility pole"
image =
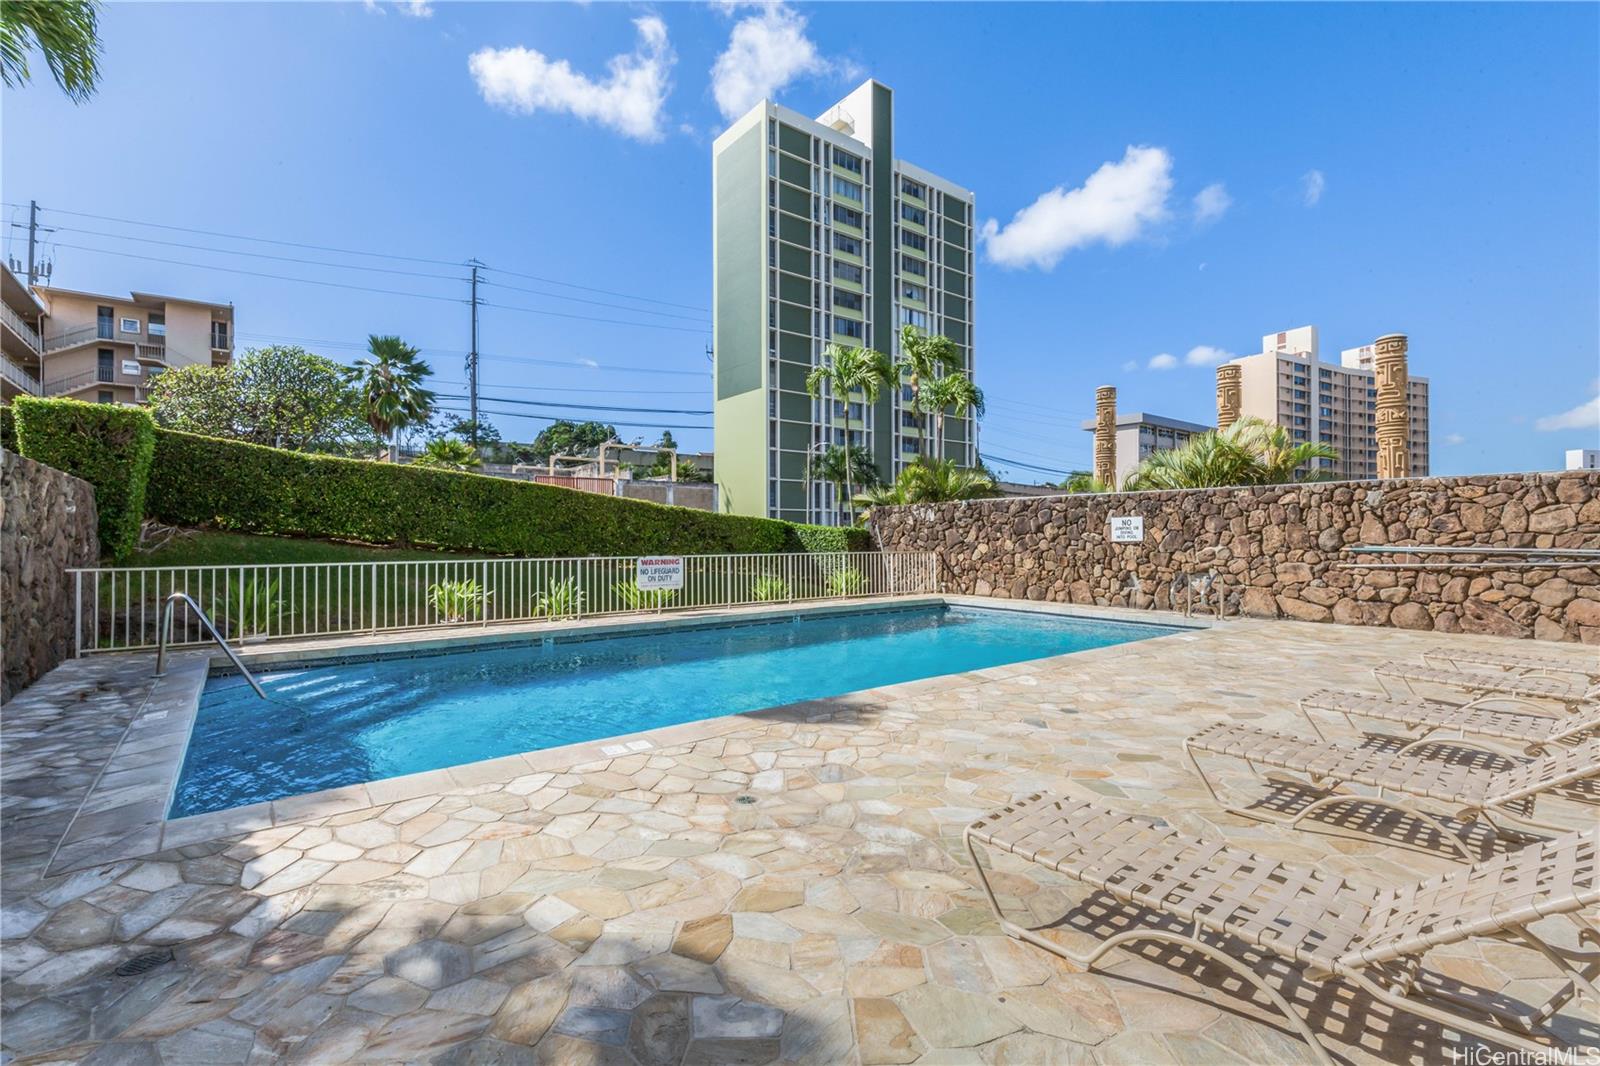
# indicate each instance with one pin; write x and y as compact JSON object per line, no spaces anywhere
{"x":37,"y":270}
{"x":472,"y":356}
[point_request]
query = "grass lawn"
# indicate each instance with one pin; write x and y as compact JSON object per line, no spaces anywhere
{"x":204,"y":548}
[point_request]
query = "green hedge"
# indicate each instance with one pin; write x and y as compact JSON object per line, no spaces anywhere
{"x":8,"y":430}
{"x":204,"y":481}
{"x":106,"y":445}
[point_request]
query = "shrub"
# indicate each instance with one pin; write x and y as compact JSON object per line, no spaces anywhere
{"x":769,"y":589}
{"x":108,"y":446}
{"x":8,"y":430}
{"x":847,"y":581}
{"x":457,"y":601}
{"x":634,"y":598}
{"x":204,"y":481}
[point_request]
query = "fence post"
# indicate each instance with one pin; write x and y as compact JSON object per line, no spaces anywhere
{"x":373,"y":605}
{"x":483,"y":595}
{"x":77,"y":615}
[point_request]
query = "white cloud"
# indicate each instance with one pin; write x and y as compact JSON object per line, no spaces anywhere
{"x":629,"y":100}
{"x":421,"y":9}
{"x":1206,"y":355}
{"x":765,"y":52}
{"x":1312,"y":182}
{"x":1583,"y":416}
{"x":1114,"y":206}
{"x":1164,"y":361}
{"x":1211,"y":203}
{"x":1130,"y":366}
{"x":1454,"y":438}
{"x":586,"y":361}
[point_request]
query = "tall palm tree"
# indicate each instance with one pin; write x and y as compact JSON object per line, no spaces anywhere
{"x":953,"y":392}
{"x":924,"y":357}
{"x":844,"y":467}
{"x":931,"y":481}
{"x":66,"y":31}
{"x":846,"y":370}
{"x":391,"y":378}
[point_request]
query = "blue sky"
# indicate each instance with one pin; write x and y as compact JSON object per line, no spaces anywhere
{"x":1197,"y":176}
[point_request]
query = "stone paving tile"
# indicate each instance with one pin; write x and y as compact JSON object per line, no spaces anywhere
{"x":627,"y":910}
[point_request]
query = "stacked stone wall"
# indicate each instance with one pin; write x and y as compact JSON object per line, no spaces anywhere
{"x":1279,"y":551}
{"x":47,"y":524}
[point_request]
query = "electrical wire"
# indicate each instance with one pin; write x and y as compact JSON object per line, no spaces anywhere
{"x":551,"y":418}
{"x":259,"y":255}
{"x":591,"y":318}
{"x":482,"y":396}
{"x":589,"y":288}
{"x":1003,"y":461}
{"x":596,"y":303}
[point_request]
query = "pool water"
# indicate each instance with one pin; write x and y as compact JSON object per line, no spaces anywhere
{"x":353,"y":722}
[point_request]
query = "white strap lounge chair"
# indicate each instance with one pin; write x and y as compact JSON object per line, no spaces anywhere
{"x":1515,"y":663}
{"x":1533,"y":734}
{"x":1485,"y":686}
{"x":1374,"y":939}
{"x":1470,"y":791}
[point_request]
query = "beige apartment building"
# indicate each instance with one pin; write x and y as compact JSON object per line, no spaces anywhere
{"x":1335,"y":403}
{"x":21,"y":337}
{"x":1140,"y":435}
{"x":108,"y":349}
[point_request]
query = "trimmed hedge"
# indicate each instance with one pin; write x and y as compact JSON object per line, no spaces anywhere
{"x":204,"y":481}
{"x":108,"y":446}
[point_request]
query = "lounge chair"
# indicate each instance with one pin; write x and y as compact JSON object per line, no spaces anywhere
{"x":1516,"y":663}
{"x":1488,"y":687}
{"x":1472,"y":792}
{"x":1533,"y":734}
{"x":1374,"y":939}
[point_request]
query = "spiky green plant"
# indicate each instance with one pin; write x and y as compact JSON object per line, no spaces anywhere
{"x":560,"y":599}
{"x":457,"y":601}
{"x":768,"y":589}
{"x":66,"y":32}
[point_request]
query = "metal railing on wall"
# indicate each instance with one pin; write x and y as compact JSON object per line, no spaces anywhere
{"x":1466,"y":557}
{"x":119,"y":608}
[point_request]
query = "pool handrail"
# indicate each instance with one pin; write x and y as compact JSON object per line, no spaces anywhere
{"x":164,"y":635}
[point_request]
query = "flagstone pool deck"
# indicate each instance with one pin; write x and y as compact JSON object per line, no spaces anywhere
{"x":783,"y":887}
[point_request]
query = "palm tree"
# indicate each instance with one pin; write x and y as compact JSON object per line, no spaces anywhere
{"x":66,"y":31}
{"x":847,"y":370}
{"x":1249,"y":452}
{"x":448,"y":454}
{"x":391,"y":379}
{"x":953,"y":392}
{"x":844,"y":467}
{"x":1084,"y":481}
{"x":931,"y":481}
{"x":924,"y":357}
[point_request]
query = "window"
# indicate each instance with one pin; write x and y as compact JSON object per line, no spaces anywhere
{"x":848,"y":189}
{"x":914,"y":188}
{"x":158,"y":324}
{"x":105,"y":396}
{"x":848,"y":272}
{"x":913,"y":214}
{"x":845,"y":161}
{"x":909,"y":445}
{"x":910,"y":317}
{"x":846,"y":216}
{"x":846,"y":244}
{"x":103,"y":319}
{"x":847,"y":327}
{"x":913,"y":266}
{"x":129,"y":325}
{"x":105,"y":365}
{"x":914,"y":240}
{"x":908,"y":291}
{"x":845,"y":298}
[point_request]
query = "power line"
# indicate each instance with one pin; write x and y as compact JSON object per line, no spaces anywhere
{"x":552,"y":418}
{"x":579,"y":364}
{"x":581,"y":406}
{"x":580,"y":388}
{"x":589,"y":288}
{"x":592,"y":318}
{"x":257,"y":255}
{"x":1003,"y":461}
{"x":260,"y":274}
{"x":596,"y":303}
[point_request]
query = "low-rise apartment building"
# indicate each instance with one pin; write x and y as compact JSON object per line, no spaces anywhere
{"x":1335,"y":403}
{"x":1139,"y":435}
{"x":21,"y":337}
{"x":109,"y":348}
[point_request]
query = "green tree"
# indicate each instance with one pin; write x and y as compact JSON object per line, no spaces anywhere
{"x":953,"y":392}
{"x":454,"y":427}
{"x":843,"y":468}
{"x":931,"y":481}
{"x":848,"y":370}
{"x":666,"y":440}
{"x":66,"y":32}
{"x":447,"y":454}
{"x":924,"y":357}
{"x":1249,"y":452}
{"x":564,"y":437}
{"x":281,"y":396}
{"x":1084,"y":481}
{"x":392,"y":377}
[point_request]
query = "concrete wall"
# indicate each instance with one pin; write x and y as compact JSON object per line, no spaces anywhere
{"x":47,"y":523}
{"x":1277,"y":550}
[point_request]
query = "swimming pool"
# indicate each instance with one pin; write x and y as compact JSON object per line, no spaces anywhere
{"x":352,"y":722}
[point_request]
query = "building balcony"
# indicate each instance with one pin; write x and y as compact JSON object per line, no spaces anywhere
{"x":19,"y":377}
{"x":79,"y":382}
{"x":24,"y":332}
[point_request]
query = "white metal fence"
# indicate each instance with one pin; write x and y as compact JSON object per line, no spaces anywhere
{"x":120,"y":608}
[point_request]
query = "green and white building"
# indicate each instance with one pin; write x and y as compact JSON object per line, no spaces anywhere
{"x":821,"y":235}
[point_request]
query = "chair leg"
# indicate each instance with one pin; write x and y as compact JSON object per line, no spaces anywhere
{"x":1189,"y":940}
{"x":1448,"y":1018}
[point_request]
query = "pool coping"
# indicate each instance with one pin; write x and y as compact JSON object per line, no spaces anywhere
{"x":123,"y":815}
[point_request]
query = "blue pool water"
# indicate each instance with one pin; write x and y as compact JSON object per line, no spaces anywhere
{"x":355,"y":722}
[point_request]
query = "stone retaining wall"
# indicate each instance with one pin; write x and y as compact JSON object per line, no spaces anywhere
{"x":47,"y":523}
{"x":1274,"y":551}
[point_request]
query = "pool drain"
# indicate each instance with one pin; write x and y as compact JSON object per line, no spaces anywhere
{"x":745,"y":799}
{"x":143,"y":964}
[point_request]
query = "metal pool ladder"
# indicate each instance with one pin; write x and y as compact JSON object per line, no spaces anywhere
{"x":164,"y":637}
